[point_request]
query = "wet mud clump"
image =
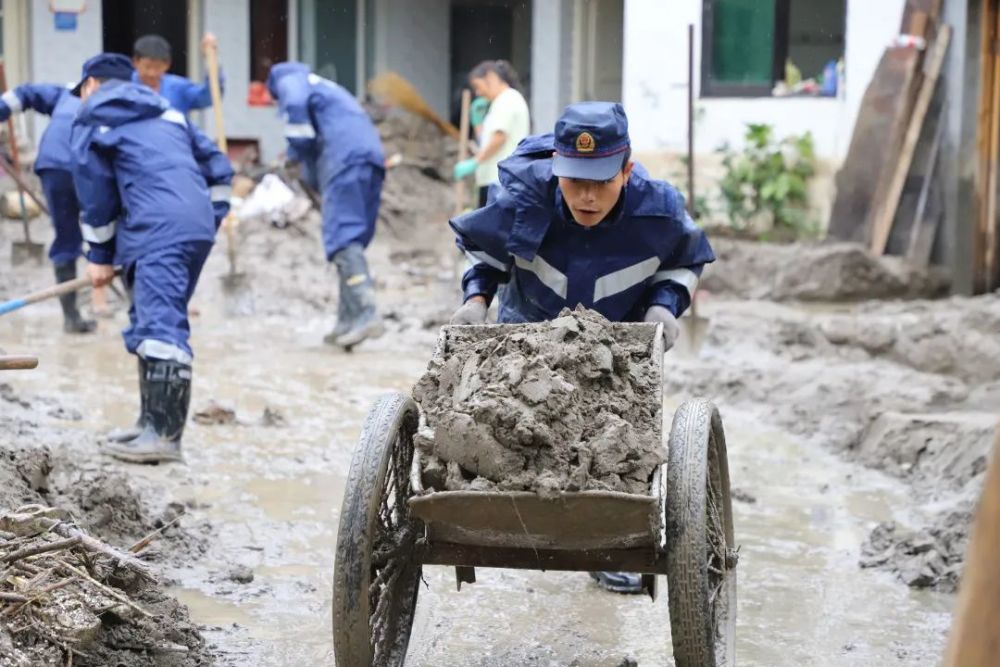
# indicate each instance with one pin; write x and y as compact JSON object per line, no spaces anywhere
{"x":567,"y":405}
{"x":68,"y":598}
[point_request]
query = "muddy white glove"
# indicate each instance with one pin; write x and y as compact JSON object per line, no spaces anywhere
{"x":671,"y":330}
{"x":472,"y":311}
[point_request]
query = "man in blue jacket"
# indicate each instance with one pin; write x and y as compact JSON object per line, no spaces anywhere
{"x":153,"y":190}
{"x":152,"y":56}
{"x":575,"y":222}
{"x":341,"y":154}
{"x":54,"y":165}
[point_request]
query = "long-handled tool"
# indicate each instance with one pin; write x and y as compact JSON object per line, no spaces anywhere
{"x":18,"y":362}
{"x":26,"y":250}
{"x":461,"y":198}
{"x":694,"y":327}
{"x":58,"y":289}
{"x":235,"y":285}
{"x":396,"y":90}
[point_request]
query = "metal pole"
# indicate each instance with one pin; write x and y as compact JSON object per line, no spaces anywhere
{"x":690,"y":164}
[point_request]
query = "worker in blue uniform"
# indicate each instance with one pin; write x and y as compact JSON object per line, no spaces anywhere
{"x":340,"y":152}
{"x":54,"y":165}
{"x":152,"y":56}
{"x":574,"y":221}
{"x":153,"y":190}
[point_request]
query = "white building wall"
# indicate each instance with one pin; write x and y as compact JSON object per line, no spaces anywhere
{"x":416,"y":42}
{"x":655,"y":82}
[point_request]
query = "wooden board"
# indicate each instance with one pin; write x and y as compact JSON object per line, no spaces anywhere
{"x":975,"y":636}
{"x":930,"y":204}
{"x":988,"y":149}
{"x":879,"y":126}
{"x":887,"y":203}
{"x":931,"y":9}
{"x":574,"y":521}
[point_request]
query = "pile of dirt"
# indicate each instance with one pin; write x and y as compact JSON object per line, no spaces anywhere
{"x":567,"y":405}
{"x":906,"y":388}
{"x":68,"y":598}
{"x":806,"y":271}
{"x":419,"y":191}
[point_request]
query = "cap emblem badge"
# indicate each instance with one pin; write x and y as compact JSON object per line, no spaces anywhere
{"x":585,"y":142}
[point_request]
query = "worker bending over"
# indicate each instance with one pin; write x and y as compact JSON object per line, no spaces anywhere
{"x":153,"y":190}
{"x":54,"y":166}
{"x":152,"y":57}
{"x":575,"y":221}
{"x":340,"y":152}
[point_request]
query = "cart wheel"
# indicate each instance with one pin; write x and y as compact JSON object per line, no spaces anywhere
{"x":375,"y":578}
{"x":701,"y":556}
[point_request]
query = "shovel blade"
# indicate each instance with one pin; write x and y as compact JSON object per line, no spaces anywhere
{"x":238,"y":295}
{"x":24,"y":252}
{"x":694,"y":330}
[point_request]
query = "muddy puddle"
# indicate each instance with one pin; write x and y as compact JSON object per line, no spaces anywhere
{"x":271,"y":489}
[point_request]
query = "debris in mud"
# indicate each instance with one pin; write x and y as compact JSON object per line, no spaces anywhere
{"x":815,"y":272}
{"x":272,"y":417}
{"x":68,"y":598}
{"x":930,"y":558}
{"x":241,"y":574}
{"x":742,"y":496}
{"x":215,"y":414}
{"x":567,"y":405}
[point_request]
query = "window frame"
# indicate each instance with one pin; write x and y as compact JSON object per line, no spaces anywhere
{"x":710,"y":88}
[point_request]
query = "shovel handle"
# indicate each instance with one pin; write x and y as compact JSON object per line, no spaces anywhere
{"x":49,"y":292}
{"x":14,"y":157}
{"x":18,"y":362}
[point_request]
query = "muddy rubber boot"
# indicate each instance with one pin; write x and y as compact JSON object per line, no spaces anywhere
{"x":168,"y":396}
{"x":344,"y":309}
{"x":363,"y":320}
{"x":73,"y":322}
{"x":618,"y":582}
{"x":124,"y":434}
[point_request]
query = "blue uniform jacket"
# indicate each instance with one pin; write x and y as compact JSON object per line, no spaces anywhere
{"x":51,"y":100}
{"x":647,"y":252}
{"x":184,"y":94}
{"x":325,"y":125}
{"x":143,"y":175}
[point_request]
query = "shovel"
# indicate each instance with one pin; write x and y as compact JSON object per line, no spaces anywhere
{"x":235,"y":285}
{"x":22,"y":252}
{"x":58,"y":289}
{"x":693,"y":327}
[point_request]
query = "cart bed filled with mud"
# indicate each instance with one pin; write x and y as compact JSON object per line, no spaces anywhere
{"x":537,"y":446}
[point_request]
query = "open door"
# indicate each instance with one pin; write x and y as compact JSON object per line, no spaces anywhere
{"x":124,"y":21}
{"x":600,"y":45}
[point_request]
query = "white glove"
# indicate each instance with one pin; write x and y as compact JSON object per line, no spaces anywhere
{"x":671,"y":330}
{"x":472,"y":311}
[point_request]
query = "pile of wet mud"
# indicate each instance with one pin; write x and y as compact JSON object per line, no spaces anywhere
{"x":68,"y":598}
{"x":45,"y":461}
{"x":907,"y":388}
{"x":567,"y":405}
{"x":812,"y":271}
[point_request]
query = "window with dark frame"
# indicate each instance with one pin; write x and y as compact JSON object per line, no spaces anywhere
{"x":268,"y":36}
{"x":747,"y":43}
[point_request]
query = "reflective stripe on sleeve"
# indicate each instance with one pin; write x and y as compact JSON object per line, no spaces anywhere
{"x":299,"y":131}
{"x":623,"y":279}
{"x":221,"y":192}
{"x":101,"y":234}
{"x":479,"y":257}
{"x":174,"y":116}
{"x":550,"y":276}
{"x":11,"y":99}
{"x":685,"y":277}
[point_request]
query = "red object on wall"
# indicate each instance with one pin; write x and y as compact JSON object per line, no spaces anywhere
{"x":258,"y":95}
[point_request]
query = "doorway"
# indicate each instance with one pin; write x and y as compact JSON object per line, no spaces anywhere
{"x":124,"y":21}
{"x":599,"y":47}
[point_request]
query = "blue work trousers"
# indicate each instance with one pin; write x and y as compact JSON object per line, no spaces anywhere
{"x":161,"y":284}
{"x":350,"y":207}
{"x":64,"y":210}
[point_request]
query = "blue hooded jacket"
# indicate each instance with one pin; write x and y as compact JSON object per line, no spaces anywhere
{"x":51,"y":100}
{"x":647,"y":252}
{"x":143,"y":175}
{"x":325,"y":125}
{"x":184,"y":94}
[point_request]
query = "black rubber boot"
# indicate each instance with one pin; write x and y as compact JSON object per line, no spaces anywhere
{"x":345,"y":307}
{"x":73,"y":322}
{"x":356,"y":284}
{"x":168,"y":396}
{"x":124,"y":434}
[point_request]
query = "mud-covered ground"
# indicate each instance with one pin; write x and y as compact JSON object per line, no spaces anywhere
{"x":857,"y":434}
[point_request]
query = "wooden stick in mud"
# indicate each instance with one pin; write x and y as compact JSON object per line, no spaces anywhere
{"x":40,"y":549}
{"x":463,"y":150}
{"x":18,"y":362}
{"x":975,"y":635}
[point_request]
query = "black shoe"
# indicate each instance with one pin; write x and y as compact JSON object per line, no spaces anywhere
{"x":124,"y":434}
{"x":73,"y":322}
{"x":168,"y":396}
{"x":619,"y":582}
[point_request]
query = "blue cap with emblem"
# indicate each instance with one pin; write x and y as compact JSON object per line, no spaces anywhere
{"x":105,"y":66}
{"x":590,"y":140}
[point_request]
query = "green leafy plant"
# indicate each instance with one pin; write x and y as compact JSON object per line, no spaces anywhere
{"x":766,"y":184}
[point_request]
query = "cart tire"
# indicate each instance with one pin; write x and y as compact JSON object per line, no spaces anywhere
{"x":375,"y":575}
{"x":701,"y":555}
